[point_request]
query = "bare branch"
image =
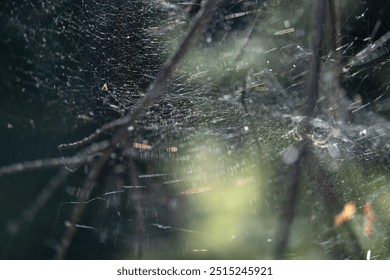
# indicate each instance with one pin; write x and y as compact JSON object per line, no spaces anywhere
{"x":312,"y":93}
{"x":287,"y":215}
{"x":80,"y":158}
{"x":312,"y":90}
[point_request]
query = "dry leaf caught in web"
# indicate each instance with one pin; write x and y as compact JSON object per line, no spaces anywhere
{"x":345,"y":215}
{"x":370,"y":218}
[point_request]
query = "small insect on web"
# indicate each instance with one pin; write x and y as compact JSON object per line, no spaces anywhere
{"x":104,"y":87}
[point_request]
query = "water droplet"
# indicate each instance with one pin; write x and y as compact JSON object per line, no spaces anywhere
{"x":290,"y":155}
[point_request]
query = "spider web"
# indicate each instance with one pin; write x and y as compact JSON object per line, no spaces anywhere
{"x":207,"y":167}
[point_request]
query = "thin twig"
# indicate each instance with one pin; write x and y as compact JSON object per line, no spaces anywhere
{"x":312,"y":90}
{"x":28,"y":215}
{"x":79,"y":208}
{"x":287,"y":214}
{"x":136,"y":199}
{"x":312,"y":93}
{"x":80,"y":158}
{"x":90,"y":138}
{"x":336,"y":93}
